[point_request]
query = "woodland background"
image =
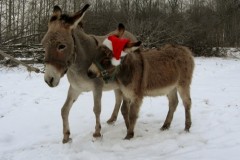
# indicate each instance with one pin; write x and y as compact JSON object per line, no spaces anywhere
{"x":206,"y":26}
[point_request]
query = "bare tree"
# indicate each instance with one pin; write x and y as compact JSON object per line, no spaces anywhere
{"x":198,"y":24}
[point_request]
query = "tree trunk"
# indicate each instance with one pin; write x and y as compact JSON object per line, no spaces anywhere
{"x":1,"y":12}
{"x":9,"y":27}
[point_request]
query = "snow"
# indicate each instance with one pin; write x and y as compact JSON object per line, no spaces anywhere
{"x":31,"y":124}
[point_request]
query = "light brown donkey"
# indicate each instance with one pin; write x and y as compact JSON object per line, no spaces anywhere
{"x":68,"y":49}
{"x":157,"y":72}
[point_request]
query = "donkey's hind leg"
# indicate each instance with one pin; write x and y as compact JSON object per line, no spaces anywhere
{"x":173,"y":102}
{"x":118,"y":97}
{"x":184,"y":93}
{"x":125,"y":111}
{"x":71,"y":98}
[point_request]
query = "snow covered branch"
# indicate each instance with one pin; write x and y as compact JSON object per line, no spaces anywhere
{"x":29,"y":68}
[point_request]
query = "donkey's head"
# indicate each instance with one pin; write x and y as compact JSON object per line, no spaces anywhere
{"x":110,"y":55}
{"x":58,"y":43}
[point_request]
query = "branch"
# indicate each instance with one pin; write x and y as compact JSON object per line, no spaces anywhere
{"x":29,"y":68}
{"x":13,"y":39}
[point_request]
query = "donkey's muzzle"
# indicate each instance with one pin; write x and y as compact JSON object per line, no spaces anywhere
{"x":52,"y":75}
{"x":50,"y":82}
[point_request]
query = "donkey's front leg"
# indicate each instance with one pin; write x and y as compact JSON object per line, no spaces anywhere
{"x":71,"y":98}
{"x":133,"y":115}
{"x":118,"y":97}
{"x":97,"y":94}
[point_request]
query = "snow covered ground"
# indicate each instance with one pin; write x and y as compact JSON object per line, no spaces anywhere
{"x":31,"y":125}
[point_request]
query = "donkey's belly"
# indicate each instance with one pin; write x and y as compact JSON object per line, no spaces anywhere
{"x":80,"y":82}
{"x":110,"y":86}
{"x":159,"y":91}
{"x":84,"y":84}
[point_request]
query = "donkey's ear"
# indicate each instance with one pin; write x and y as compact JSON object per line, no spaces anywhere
{"x":57,"y":11}
{"x":132,"y":46}
{"x":120,"y":30}
{"x":77,"y":17}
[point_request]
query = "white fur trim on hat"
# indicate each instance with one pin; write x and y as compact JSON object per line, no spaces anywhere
{"x":115,"y":62}
{"x":108,"y":43}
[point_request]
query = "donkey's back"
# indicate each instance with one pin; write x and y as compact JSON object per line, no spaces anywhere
{"x":167,"y":68}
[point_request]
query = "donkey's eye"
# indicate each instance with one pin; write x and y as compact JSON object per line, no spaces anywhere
{"x":61,"y":46}
{"x":106,"y":62}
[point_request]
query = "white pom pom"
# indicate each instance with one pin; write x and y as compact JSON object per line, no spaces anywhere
{"x":115,"y":62}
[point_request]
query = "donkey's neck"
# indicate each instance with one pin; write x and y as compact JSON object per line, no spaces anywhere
{"x":85,"y":48}
{"x":131,"y":69}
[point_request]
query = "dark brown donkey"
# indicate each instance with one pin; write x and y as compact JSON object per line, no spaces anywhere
{"x":165,"y":71}
{"x":68,"y":49}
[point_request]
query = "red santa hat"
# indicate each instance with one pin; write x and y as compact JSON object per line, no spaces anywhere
{"x":116,"y":45}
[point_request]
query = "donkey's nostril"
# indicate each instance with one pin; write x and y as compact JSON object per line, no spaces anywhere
{"x":91,"y":74}
{"x":51,"y":81}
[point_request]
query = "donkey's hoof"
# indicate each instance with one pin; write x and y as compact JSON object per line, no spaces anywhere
{"x":69,"y":140}
{"x":187,"y":130}
{"x":96,"y":135}
{"x":129,"y":136}
{"x":165,"y":127}
{"x":187,"y":126}
{"x":111,"y":120}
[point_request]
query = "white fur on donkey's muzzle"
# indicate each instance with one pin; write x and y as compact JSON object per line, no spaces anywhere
{"x":52,"y":75}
